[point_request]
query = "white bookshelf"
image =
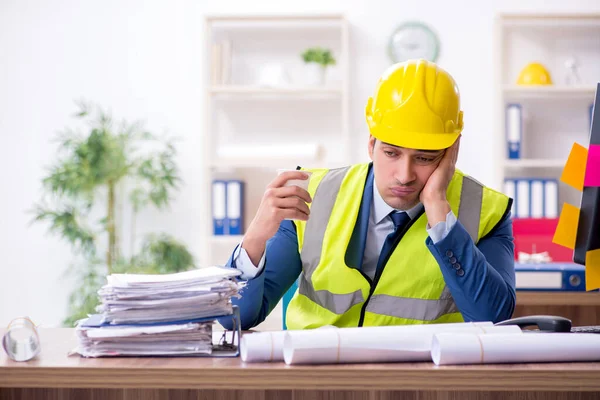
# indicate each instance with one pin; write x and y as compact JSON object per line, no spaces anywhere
{"x":228,"y":239}
{"x":554,"y":116}
{"x":251,"y":128}
{"x":550,"y":93}
{"x":534,"y":163}
{"x":298,"y":91}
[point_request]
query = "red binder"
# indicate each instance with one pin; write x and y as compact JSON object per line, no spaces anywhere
{"x":534,"y":235}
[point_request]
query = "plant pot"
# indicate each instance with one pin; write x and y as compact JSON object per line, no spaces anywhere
{"x":314,"y":74}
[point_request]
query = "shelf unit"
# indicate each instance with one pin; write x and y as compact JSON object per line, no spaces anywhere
{"x":252,"y":127}
{"x":554,"y":116}
{"x":298,"y":91}
{"x":534,"y":163}
{"x":577,"y":299}
{"x":548,"y":93}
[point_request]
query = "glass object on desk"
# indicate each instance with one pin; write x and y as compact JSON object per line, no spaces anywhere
{"x":21,"y":340}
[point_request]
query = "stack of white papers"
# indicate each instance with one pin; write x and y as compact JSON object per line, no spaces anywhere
{"x":163,"y":340}
{"x":170,"y":314}
{"x":200,"y":293}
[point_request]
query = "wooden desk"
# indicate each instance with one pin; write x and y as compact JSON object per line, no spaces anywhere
{"x":582,"y":308}
{"x":55,"y":376}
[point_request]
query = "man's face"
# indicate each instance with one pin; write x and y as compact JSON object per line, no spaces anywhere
{"x":401,"y":173}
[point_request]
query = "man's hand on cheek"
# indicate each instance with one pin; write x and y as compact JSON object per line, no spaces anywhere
{"x":433,"y":195}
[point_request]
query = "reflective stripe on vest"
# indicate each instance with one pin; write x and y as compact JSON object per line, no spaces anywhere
{"x":314,"y":234}
{"x":409,"y":308}
{"x":402,"y":307}
{"x":469,"y":210}
{"x":336,"y":303}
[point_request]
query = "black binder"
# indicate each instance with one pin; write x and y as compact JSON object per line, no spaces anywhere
{"x":588,"y":230}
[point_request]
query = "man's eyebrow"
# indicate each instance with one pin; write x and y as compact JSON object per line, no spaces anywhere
{"x":430,"y":151}
{"x":420,"y":151}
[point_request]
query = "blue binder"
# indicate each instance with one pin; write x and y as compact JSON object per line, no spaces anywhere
{"x":567,"y":277}
{"x":219,"y":203}
{"x":235,"y":207}
{"x":514,"y":130}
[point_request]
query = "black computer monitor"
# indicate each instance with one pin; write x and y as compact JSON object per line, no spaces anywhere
{"x":588,"y":230}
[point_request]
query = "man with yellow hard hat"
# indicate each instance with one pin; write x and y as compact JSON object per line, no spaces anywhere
{"x":405,"y":239}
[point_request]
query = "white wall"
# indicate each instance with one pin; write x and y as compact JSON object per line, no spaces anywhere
{"x":144,"y":59}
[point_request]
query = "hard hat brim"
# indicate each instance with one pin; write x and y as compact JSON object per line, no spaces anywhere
{"x":416,"y":140}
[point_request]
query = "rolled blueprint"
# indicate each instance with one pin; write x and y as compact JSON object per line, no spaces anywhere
{"x":376,"y":344}
{"x":262,"y":346}
{"x":268,"y":346}
{"x":471,"y":348}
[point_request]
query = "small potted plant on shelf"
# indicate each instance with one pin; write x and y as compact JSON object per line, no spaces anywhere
{"x":317,"y":60}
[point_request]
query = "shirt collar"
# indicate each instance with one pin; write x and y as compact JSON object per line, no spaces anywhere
{"x":382,"y":209}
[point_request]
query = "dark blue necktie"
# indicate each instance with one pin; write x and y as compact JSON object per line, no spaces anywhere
{"x":400,"y":220}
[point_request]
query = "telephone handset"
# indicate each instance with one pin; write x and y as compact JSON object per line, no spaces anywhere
{"x":545,"y":323}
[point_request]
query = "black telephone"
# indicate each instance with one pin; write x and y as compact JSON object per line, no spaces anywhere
{"x":545,"y":323}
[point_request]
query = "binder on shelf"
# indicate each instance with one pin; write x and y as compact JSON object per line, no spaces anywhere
{"x":523,"y":198}
{"x":235,"y":207}
{"x":533,"y":198}
{"x":514,"y":130}
{"x":215,"y":64}
{"x":568,"y":277}
{"x":510,"y":190}
{"x":551,"y":198}
{"x":533,"y":237}
{"x":536,"y":191}
{"x":219,"y":215}
{"x":225,"y":62}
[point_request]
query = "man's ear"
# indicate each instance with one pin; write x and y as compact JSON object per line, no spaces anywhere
{"x":372,"y":141}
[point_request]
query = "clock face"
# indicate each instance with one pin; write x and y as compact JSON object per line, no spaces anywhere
{"x":413,"y":40}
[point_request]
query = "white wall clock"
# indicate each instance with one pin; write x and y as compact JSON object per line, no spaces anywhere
{"x":413,"y":40}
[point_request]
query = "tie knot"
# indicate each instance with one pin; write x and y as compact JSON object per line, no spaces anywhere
{"x":400,"y":218}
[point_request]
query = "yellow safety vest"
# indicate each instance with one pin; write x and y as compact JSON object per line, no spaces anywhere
{"x":411,"y":288}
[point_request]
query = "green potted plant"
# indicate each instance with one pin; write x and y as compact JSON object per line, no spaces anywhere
{"x":317,"y":60}
{"x":104,"y":171}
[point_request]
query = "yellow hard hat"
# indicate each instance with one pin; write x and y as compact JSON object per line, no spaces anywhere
{"x":534,"y":74}
{"x":416,"y":105}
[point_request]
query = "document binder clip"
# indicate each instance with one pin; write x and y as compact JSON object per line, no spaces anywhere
{"x":225,"y":348}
